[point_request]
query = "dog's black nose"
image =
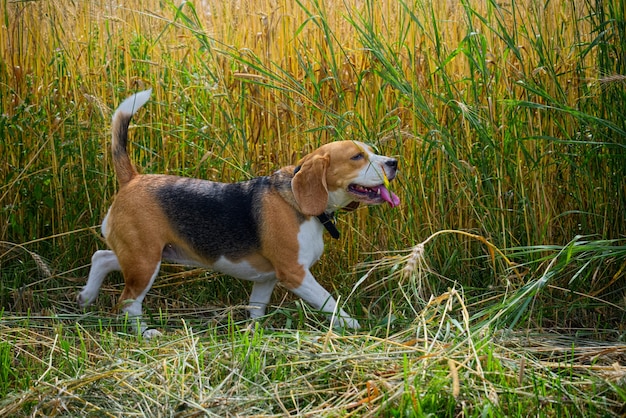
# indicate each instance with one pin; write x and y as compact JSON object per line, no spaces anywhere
{"x":393,"y":163}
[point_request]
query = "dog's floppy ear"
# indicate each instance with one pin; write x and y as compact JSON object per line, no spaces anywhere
{"x":309,"y":185}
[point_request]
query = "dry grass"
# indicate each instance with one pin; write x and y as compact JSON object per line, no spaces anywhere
{"x":442,"y":363}
{"x":453,"y":357}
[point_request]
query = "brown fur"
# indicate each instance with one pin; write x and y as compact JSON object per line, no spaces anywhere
{"x":279,"y":232}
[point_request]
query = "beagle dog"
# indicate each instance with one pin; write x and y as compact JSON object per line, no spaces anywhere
{"x":266,"y":230}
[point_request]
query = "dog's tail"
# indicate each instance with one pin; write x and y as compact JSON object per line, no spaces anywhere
{"x":124,"y":169}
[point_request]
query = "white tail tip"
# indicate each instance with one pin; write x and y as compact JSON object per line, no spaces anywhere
{"x":131,"y":105}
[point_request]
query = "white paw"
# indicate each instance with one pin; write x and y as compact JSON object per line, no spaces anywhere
{"x":84,"y":299}
{"x":346,"y":322}
{"x":151,"y":333}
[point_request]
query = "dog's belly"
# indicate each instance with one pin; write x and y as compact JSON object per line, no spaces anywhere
{"x":242,"y":269}
{"x":256,"y":269}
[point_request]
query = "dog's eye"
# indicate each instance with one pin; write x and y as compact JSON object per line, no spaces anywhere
{"x":358,"y":157}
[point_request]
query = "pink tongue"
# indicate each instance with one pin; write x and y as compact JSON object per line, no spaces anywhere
{"x":389,"y":197}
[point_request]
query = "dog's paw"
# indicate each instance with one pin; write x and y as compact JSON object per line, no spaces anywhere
{"x":84,"y":299}
{"x":346,"y":322}
{"x":151,"y":333}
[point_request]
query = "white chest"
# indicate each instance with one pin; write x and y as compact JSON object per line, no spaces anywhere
{"x":311,"y":241}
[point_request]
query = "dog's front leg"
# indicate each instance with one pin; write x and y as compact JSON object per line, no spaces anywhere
{"x":319,"y":298}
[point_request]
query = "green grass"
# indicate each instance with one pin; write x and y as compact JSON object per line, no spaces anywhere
{"x":496,"y":289}
{"x":440,"y":364}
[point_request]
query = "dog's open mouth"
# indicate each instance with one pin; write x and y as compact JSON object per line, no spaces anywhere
{"x":374,"y":195}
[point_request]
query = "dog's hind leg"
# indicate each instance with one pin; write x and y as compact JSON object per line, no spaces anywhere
{"x":138,"y":279}
{"x":260,"y":297}
{"x":102,"y":263}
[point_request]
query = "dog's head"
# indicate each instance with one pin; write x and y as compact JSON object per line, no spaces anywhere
{"x":338,"y":174}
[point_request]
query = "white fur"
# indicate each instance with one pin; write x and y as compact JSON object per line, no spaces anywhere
{"x":103,"y":228}
{"x":103,"y":262}
{"x":131,"y":105}
{"x":310,"y":239}
{"x":311,"y":242}
{"x":241,"y":270}
{"x":376,"y":171}
{"x":260,"y":297}
{"x":319,"y":298}
{"x":264,"y":283}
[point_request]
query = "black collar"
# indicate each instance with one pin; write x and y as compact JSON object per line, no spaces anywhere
{"x":328,"y":221}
